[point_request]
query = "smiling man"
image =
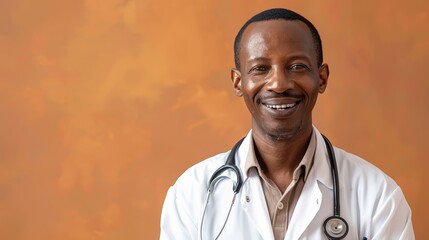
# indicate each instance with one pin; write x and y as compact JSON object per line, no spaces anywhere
{"x":283,"y":180}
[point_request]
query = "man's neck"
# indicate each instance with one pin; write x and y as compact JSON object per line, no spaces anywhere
{"x":279,"y":158}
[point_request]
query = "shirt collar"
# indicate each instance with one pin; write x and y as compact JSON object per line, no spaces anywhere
{"x":305,"y":164}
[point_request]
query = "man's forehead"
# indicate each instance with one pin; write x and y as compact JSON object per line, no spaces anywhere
{"x":258,"y":32}
{"x":274,"y":26}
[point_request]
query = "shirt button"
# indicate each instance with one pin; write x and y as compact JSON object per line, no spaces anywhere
{"x":280,"y":206}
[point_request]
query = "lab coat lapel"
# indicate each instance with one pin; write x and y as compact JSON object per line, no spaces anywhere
{"x":253,"y":203}
{"x":252,"y":198}
{"x":306,"y":209}
{"x":310,"y":200}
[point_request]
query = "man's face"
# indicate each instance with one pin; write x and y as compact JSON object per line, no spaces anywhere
{"x":279,"y":77}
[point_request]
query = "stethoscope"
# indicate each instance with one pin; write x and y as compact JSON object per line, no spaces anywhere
{"x":334,"y":227}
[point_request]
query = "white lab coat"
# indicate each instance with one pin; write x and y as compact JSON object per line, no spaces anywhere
{"x":371,"y":202}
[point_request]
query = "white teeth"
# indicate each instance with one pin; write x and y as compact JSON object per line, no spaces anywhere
{"x":281,"y":106}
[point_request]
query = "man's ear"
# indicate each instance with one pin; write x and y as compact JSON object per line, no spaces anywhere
{"x":236,"y":81}
{"x":323,"y":77}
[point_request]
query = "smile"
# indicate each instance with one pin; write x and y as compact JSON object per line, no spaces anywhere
{"x":280,"y":106}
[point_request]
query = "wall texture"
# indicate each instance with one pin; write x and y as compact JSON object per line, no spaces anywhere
{"x":104,"y":103}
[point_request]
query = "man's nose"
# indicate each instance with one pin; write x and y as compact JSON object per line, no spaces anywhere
{"x":279,"y":81}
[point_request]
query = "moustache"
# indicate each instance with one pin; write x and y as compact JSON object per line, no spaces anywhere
{"x":271,"y":95}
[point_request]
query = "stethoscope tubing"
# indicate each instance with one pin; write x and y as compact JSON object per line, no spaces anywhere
{"x":229,"y":164}
{"x":334,"y":173}
{"x":335,"y":227}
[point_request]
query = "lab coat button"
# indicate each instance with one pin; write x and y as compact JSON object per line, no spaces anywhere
{"x":247,"y":199}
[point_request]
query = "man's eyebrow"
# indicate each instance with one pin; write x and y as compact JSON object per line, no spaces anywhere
{"x":256,"y":59}
{"x":300,"y":57}
{"x":290,"y":58}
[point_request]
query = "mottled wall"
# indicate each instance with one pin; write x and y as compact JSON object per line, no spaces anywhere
{"x":104,"y":103}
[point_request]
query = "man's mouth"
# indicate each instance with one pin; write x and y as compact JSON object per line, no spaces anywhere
{"x":280,"y":106}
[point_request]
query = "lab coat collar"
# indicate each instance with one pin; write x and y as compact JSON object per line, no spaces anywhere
{"x":321,"y":167}
{"x":244,"y":152}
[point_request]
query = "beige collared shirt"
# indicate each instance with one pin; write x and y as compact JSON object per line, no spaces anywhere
{"x":281,"y":206}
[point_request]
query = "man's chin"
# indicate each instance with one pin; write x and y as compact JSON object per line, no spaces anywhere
{"x":282,"y":134}
{"x":285,"y":134}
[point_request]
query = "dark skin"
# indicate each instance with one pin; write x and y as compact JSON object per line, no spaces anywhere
{"x":279,"y":80}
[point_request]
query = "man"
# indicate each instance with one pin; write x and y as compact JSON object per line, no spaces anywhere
{"x":288,"y":189}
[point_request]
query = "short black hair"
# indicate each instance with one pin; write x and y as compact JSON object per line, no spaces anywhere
{"x":274,"y":14}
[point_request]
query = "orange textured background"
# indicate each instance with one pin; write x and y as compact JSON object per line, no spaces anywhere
{"x":104,"y":103}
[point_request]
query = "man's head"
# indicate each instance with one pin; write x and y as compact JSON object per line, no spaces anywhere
{"x":279,"y":73}
{"x":279,"y":13}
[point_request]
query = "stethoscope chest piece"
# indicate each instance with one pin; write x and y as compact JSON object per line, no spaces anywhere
{"x":335,"y":227}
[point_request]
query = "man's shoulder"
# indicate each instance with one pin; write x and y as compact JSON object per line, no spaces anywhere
{"x":362,"y":173}
{"x":201,"y":172}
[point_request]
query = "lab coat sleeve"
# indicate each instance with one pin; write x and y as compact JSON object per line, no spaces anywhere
{"x":176,"y":222}
{"x":392,"y":219}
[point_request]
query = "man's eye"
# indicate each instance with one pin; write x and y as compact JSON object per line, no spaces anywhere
{"x":258,"y":69}
{"x":298,"y":67}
